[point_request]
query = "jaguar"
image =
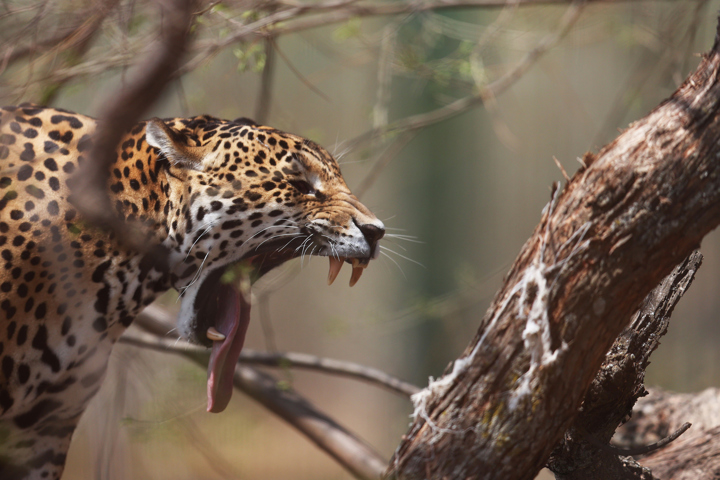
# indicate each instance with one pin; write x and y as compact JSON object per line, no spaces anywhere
{"x":214,"y":195}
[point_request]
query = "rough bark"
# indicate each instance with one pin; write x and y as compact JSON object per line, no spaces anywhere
{"x":640,"y":206}
{"x":584,"y":452}
{"x":695,"y":455}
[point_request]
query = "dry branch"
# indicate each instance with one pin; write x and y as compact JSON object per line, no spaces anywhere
{"x":123,"y":110}
{"x":585,"y":453}
{"x":485,"y":96}
{"x":694,"y":456}
{"x":279,"y":360}
{"x":348,"y":450}
{"x":643,"y":203}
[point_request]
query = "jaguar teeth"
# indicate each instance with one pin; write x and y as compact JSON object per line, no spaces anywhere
{"x":356,"y":273}
{"x":357,"y":264}
{"x":214,"y":335}
{"x":335,"y":266}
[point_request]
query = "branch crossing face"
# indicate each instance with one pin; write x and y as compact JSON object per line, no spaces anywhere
{"x":229,"y":201}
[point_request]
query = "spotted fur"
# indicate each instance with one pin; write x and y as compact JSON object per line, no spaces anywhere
{"x":211,"y":192}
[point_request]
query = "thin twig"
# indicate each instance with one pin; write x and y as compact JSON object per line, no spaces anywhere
{"x":494,"y":89}
{"x":323,"y":14}
{"x":383,"y":160}
{"x":297,"y":72}
{"x":124,"y":109}
{"x":288,"y":359}
{"x":78,"y":44}
{"x":644,"y":450}
{"x":485,"y":95}
{"x":351,"y":452}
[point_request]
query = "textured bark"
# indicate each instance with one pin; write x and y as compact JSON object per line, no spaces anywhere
{"x":640,"y":206}
{"x":695,"y":455}
{"x":583,"y":453}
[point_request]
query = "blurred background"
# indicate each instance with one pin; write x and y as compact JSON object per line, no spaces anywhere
{"x":466,"y":192}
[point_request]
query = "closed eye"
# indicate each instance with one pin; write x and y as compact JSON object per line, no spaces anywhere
{"x":302,"y":186}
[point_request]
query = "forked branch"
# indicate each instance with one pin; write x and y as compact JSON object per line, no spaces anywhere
{"x":641,"y":205}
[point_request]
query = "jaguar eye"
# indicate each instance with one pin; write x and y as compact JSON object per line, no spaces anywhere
{"x":302,"y":186}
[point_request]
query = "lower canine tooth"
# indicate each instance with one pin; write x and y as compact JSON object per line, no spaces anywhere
{"x":214,"y":335}
{"x":356,"y":263}
{"x":335,"y":266}
{"x":356,"y":274}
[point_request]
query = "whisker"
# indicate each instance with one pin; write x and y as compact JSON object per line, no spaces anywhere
{"x":209,"y":227}
{"x":276,"y":236}
{"x":349,"y":162}
{"x":302,"y":257}
{"x":303,"y":243}
{"x":333,"y":251}
{"x":288,"y":243}
{"x":263,"y":230}
{"x":403,"y":256}
{"x":197,"y":275}
{"x":396,"y":244}
{"x":407,"y":238}
{"x":396,"y":264}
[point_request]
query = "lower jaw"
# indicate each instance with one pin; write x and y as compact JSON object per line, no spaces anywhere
{"x":223,"y":313}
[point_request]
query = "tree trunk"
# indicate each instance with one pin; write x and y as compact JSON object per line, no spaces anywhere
{"x":585,"y":453}
{"x":637,"y":209}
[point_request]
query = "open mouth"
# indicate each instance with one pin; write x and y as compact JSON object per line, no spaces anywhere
{"x":221,"y":308}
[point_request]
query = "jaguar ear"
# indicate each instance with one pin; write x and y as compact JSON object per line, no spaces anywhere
{"x":171,"y":143}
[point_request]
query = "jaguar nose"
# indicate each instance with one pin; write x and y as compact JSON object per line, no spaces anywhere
{"x":372,"y":233}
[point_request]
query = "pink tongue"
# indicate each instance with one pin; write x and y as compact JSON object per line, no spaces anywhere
{"x":232,"y":321}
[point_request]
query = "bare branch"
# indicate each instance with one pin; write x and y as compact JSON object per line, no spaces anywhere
{"x":485,"y":95}
{"x":693,"y":456}
{"x":494,"y":89}
{"x":293,"y":19}
{"x":653,"y":446}
{"x":288,"y":359}
{"x":297,"y":73}
{"x":78,"y":43}
{"x":383,"y":160}
{"x":123,"y":110}
{"x":350,"y":451}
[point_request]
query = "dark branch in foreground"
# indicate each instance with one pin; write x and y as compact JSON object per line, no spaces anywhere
{"x":621,"y":225}
{"x":585,"y":452}
{"x":122,"y":111}
{"x":352,"y":453}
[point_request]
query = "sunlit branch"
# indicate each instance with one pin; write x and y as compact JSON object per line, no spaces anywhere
{"x":283,"y":360}
{"x":348,"y":450}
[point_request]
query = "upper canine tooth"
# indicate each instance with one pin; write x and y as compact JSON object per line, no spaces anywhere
{"x":214,"y":335}
{"x":356,"y":274}
{"x":335,"y":266}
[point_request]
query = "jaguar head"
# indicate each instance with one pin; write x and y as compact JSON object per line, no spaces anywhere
{"x":245,"y":199}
